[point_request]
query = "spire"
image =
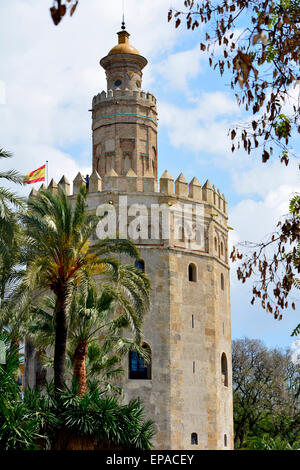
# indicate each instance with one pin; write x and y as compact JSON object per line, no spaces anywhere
{"x":123,"y":22}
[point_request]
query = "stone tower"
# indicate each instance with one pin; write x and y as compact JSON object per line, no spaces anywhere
{"x":125,"y":118}
{"x":182,"y":236}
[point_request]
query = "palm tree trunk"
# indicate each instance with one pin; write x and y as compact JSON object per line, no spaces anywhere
{"x":61,"y":331}
{"x":80,"y":366}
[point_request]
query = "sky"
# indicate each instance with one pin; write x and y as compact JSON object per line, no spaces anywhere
{"x":49,"y":75}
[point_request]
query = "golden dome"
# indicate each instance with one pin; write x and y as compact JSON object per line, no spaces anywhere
{"x":123,"y":47}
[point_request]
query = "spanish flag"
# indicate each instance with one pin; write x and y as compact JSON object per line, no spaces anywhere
{"x":35,"y":176}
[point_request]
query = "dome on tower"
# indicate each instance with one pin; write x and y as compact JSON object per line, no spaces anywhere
{"x":123,"y":47}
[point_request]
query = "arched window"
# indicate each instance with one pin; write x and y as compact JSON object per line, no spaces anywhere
{"x":154,"y":161}
{"x":222,"y":281}
{"x":139,"y":368}
{"x":192,"y":273}
{"x":194,"y":438}
{"x":222,"y":249}
{"x":216,"y":244}
{"x":224,"y":370}
{"x":181,"y":234}
{"x":140,"y":263}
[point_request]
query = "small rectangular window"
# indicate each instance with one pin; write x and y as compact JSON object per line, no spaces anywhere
{"x":194,"y":367}
{"x":192,"y":321}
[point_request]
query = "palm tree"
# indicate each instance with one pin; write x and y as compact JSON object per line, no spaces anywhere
{"x":96,"y":320}
{"x":8,"y":199}
{"x":10,"y":231}
{"x":10,"y":243}
{"x":60,"y":257}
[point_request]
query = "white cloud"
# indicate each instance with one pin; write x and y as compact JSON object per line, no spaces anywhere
{"x":254,"y":220}
{"x":178,"y":68}
{"x":262,"y":178}
{"x":204,"y":126}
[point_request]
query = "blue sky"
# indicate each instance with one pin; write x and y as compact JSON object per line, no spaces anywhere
{"x":50,"y":74}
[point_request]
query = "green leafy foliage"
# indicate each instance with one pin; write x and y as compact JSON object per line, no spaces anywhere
{"x":104,"y":421}
{"x":266,"y":397}
{"x":269,"y":443}
{"x":46,"y":421}
{"x":18,"y":424}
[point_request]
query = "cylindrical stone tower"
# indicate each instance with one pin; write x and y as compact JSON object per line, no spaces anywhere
{"x":125,"y":119}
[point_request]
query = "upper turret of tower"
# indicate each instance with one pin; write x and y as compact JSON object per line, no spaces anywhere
{"x":123,"y":45}
{"x":123,"y":65}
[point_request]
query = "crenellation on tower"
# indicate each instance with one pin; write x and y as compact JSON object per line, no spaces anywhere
{"x":42,"y":187}
{"x":131,"y":180}
{"x":33,"y":193}
{"x":95,"y":182}
{"x":110,"y":180}
{"x":166,"y":183}
{"x":208,"y":192}
{"x":224,"y":204}
{"x":181,"y":189}
{"x":138,"y":96}
{"x":150,"y":185}
{"x":64,"y":185}
{"x":195,"y":190}
{"x":53,"y":186}
{"x":78,"y":181}
{"x":181,"y":186}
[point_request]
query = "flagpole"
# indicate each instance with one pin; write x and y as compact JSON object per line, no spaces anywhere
{"x":47,"y":171}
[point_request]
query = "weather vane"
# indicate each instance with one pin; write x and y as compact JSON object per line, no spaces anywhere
{"x":123,"y":22}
